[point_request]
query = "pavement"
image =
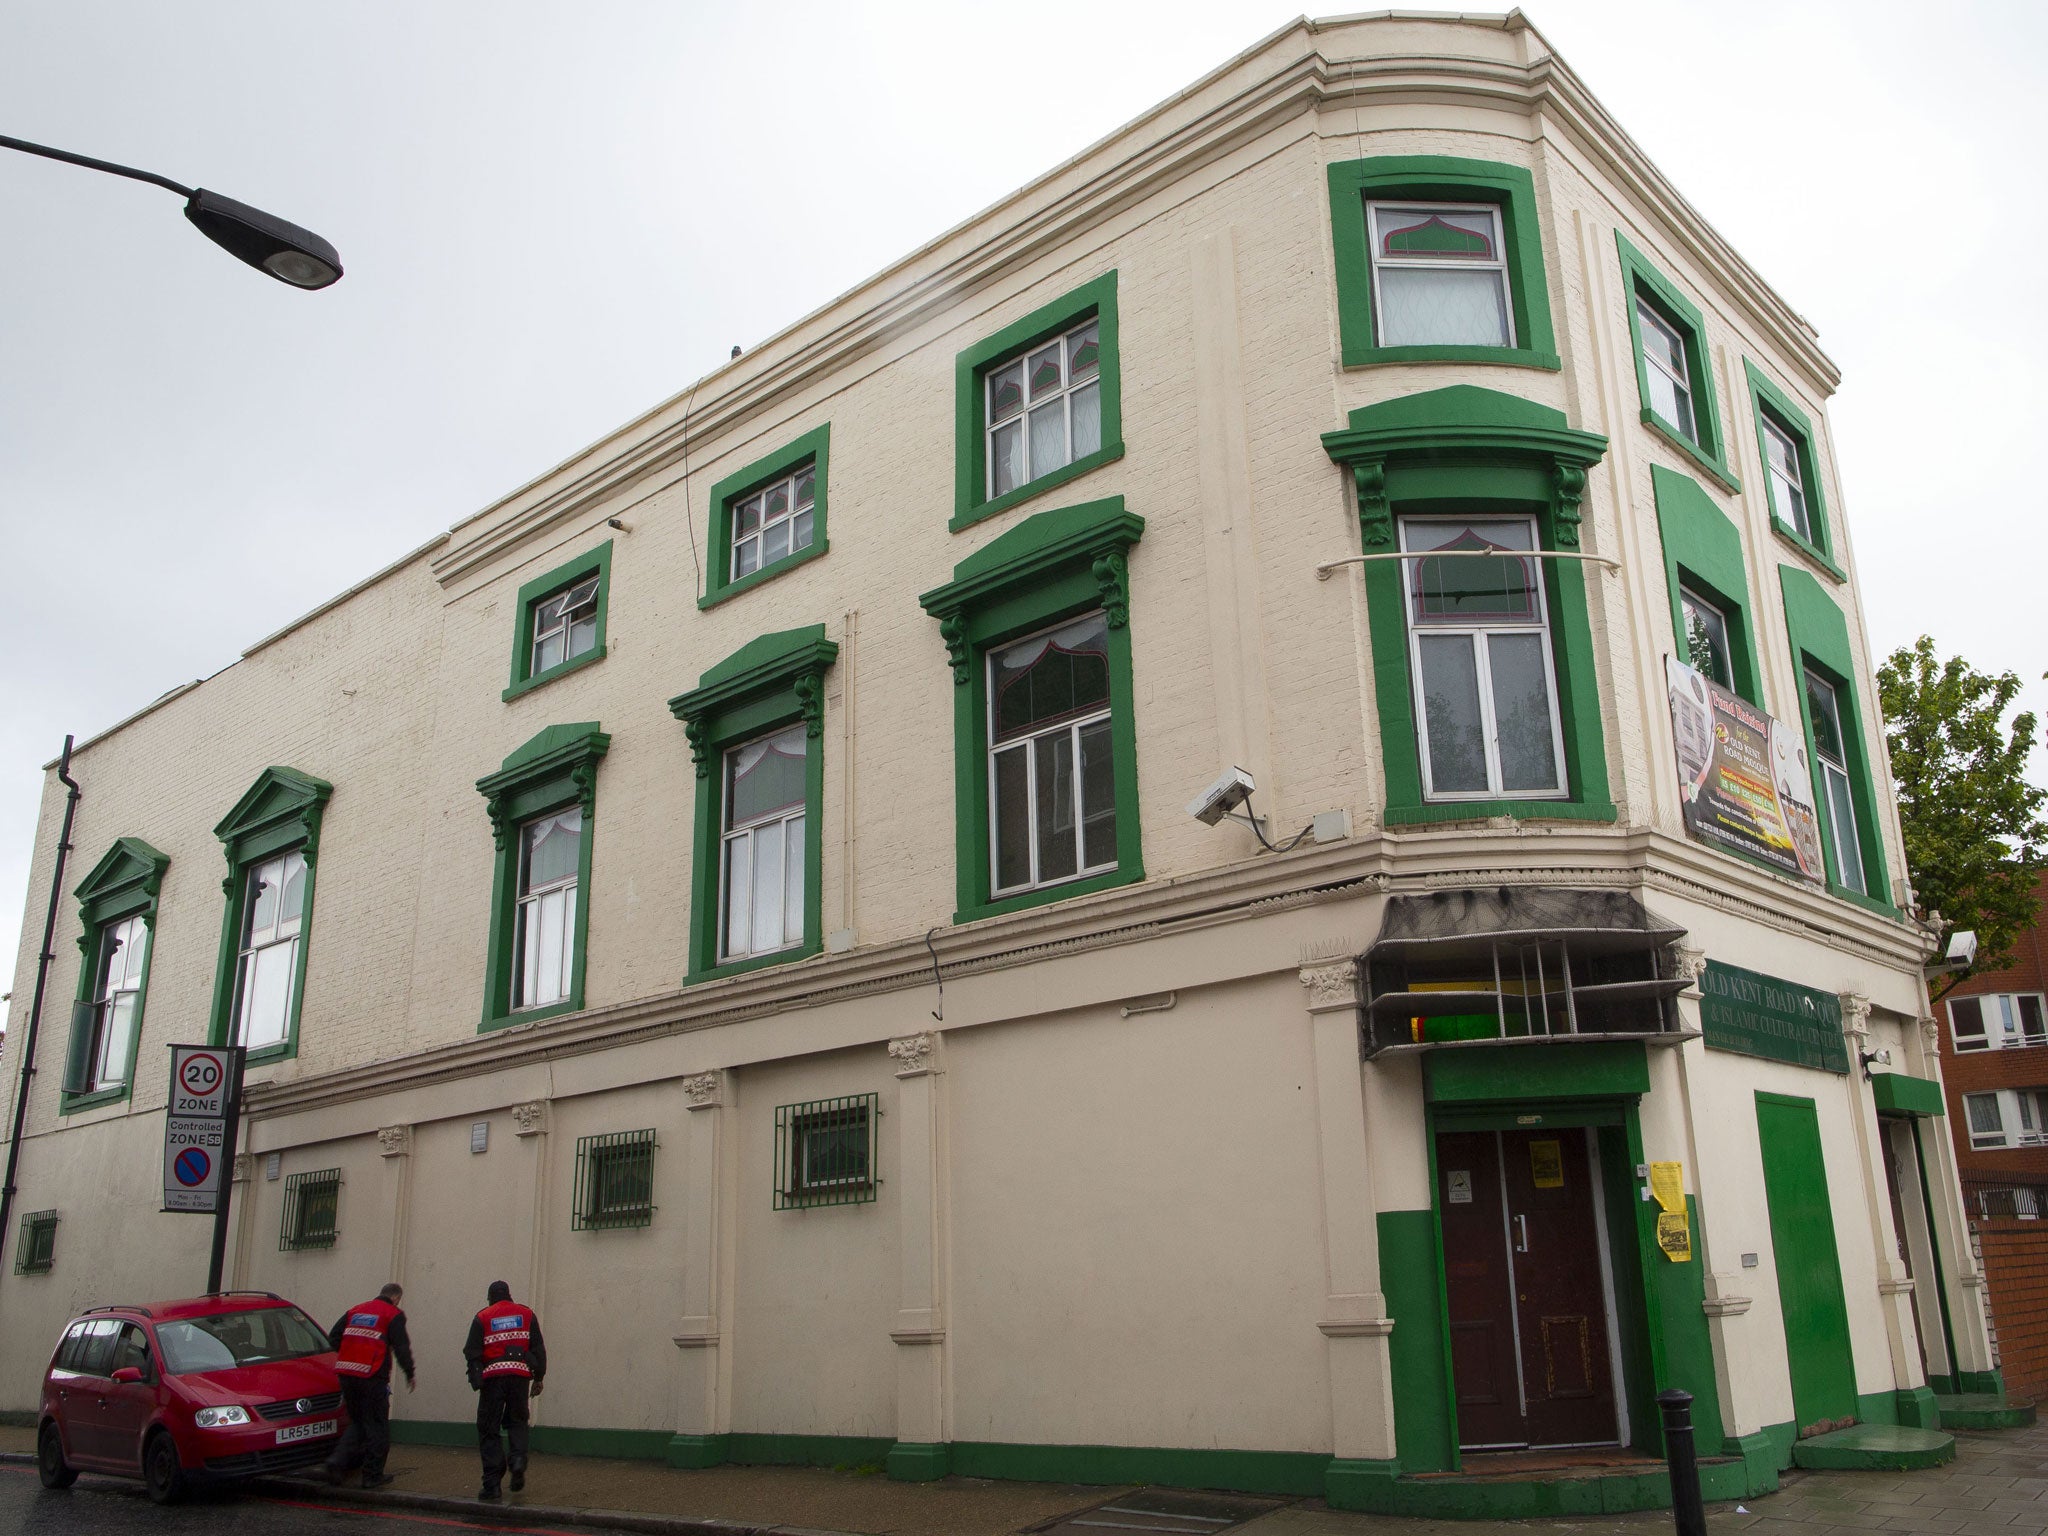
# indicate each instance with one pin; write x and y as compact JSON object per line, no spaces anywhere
{"x":1998,"y":1483}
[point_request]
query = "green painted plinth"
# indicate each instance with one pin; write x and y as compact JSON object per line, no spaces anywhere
{"x":909,"y":1462}
{"x":1875,"y":1448}
{"x":1982,"y":1410}
{"x":694,"y":1451}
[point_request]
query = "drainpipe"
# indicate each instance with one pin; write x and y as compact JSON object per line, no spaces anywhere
{"x":35,"y":1007}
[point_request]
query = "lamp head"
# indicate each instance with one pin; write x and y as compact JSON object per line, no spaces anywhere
{"x":288,"y":253}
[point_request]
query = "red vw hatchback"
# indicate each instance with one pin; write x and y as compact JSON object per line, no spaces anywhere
{"x":179,"y":1391}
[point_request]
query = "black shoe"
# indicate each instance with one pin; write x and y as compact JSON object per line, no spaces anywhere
{"x":519,"y":1479}
{"x":489,"y":1493}
{"x":378,"y":1479}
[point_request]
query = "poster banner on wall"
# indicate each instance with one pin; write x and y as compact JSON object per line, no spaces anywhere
{"x":1743,"y":778}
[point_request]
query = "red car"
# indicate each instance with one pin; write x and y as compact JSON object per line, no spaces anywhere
{"x":188,"y":1391}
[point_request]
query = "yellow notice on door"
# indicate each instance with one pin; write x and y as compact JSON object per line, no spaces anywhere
{"x":1674,"y":1236}
{"x":1546,"y":1164}
{"x":1667,"y":1183}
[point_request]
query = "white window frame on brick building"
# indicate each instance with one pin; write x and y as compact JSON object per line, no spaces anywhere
{"x":1998,"y":1021}
{"x":2007,"y":1117}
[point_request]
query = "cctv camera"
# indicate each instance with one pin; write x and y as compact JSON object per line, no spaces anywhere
{"x":1221,"y":798}
{"x":1962,"y":948}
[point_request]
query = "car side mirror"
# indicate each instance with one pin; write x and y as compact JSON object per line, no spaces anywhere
{"x":129,"y":1375}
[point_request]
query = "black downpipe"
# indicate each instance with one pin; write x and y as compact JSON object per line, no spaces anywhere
{"x":35,"y":1008}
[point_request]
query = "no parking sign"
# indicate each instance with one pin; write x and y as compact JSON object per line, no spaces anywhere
{"x":196,"y":1127}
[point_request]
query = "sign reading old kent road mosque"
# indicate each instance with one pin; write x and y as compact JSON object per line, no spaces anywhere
{"x":1744,"y":782}
{"x":195,"y":1128}
{"x":1758,"y":1015}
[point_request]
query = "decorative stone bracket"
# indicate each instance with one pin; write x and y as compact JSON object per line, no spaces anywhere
{"x":1332,"y":984}
{"x":706,"y":1090}
{"x":530,"y":1119}
{"x":394,"y":1141}
{"x":916,"y":1055}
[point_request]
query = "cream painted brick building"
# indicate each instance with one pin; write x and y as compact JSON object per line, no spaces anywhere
{"x":1182,"y":1185}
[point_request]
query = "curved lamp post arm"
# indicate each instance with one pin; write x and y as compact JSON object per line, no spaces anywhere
{"x":263,"y":240}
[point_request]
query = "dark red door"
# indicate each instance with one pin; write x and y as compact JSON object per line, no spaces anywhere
{"x":1560,"y":1294}
{"x":1479,"y":1287}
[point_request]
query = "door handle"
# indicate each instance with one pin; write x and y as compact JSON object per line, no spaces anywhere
{"x":1521,"y":1234}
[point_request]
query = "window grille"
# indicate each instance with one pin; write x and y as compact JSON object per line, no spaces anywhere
{"x":825,"y":1152}
{"x":311,"y":1202}
{"x":614,"y":1181}
{"x":36,"y":1250}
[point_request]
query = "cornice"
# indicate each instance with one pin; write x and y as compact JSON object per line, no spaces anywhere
{"x":1635,"y":859}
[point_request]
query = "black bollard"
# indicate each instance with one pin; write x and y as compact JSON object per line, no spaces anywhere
{"x":1688,"y":1515}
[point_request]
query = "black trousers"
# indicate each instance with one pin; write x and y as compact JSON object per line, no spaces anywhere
{"x":367,"y":1440}
{"x":501,"y":1404}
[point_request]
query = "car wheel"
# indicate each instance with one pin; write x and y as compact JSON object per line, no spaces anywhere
{"x":161,"y":1474}
{"x":51,"y":1466}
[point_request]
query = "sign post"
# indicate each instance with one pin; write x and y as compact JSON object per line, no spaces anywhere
{"x":199,"y":1139}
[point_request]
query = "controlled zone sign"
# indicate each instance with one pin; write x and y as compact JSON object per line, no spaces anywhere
{"x":195,"y":1127}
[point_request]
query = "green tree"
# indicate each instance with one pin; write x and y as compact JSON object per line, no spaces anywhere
{"x":1974,"y":829}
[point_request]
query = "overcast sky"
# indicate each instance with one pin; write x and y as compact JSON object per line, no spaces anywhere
{"x":554,"y":216}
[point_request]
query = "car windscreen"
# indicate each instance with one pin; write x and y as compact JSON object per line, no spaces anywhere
{"x":229,"y":1339}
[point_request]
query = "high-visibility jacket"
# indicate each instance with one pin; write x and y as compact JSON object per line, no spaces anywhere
{"x":363,"y":1334}
{"x":508,"y":1334}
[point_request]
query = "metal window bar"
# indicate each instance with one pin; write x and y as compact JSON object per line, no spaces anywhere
{"x":35,"y":1252}
{"x":825,"y":1152}
{"x":311,"y":1203}
{"x":614,"y":1181}
{"x":1998,"y":1200}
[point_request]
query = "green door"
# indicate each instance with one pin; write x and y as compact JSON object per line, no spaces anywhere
{"x":1809,"y":1270}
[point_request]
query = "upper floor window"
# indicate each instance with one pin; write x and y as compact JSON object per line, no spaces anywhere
{"x":1440,"y":275}
{"x":2009,"y":1117}
{"x":117,"y":909}
{"x":769,"y":516}
{"x":1486,"y":696}
{"x":1052,"y":781}
{"x":774,"y":522}
{"x":1038,"y":403}
{"x":1670,"y":373}
{"x":273,"y":907}
{"x":1044,"y":408}
{"x":1786,"y":477}
{"x":1998,"y":1021}
{"x":1673,"y":374}
{"x":1706,"y":638}
{"x":1785,"y":438}
{"x":560,"y":623}
{"x":116,"y":1002}
{"x":1838,"y":803}
{"x":550,"y":860}
{"x":761,"y":901}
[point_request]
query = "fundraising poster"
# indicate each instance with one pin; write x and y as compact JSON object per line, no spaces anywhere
{"x":1743,"y":778}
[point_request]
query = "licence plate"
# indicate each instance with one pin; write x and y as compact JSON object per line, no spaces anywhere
{"x":313,"y":1431}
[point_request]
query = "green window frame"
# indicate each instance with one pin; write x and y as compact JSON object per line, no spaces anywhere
{"x":1467,"y":450}
{"x":1641,"y":280}
{"x":124,"y":885}
{"x":813,"y":448}
{"x":1441,"y":179}
{"x":772,"y":682}
{"x":1819,"y":636}
{"x":550,"y":772}
{"x":614,"y":1181}
{"x":312,"y":1207}
{"x":1054,"y":566}
{"x":1095,"y":300}
{"x":827,"y":1152}
{"x":35,"y":1250}
{"x":596,"y":562}
{"x":277,"y":815}
{"x":1770,"y":405}
{"x":1703,"y":554}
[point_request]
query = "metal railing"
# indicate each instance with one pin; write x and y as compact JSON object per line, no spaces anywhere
{"x":312,"y":1202}
{"x":2002,"y":1199}
{"x":825,"y":1152}
{"x":614,"y":1181}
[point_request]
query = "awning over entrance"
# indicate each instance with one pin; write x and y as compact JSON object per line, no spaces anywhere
{"x":1510,"y":964}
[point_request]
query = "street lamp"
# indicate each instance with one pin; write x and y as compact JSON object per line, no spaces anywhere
{"x":270,"y":244}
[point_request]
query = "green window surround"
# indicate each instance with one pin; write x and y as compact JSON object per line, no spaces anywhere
{"x":596,"y":563}
{"x":1707,"y":445}
{"x":614,"y":1181}
{"x":1444,"y":179}
{"x":278,"y":817}
{"x":1820,"y":641}
{"x":1466,"y":450}
{"x":813,"y":449}
{"x":312,"y":1202}
{"x":1054,"y":566}
{"x":1094,"y":300}
{"x":552,"y":773}
{"x":1703,"y":554}
{"x":35,"y":1249}
{"x":769,"y":684}
{"x":1769,"y":404}
{"x":121,"y":890}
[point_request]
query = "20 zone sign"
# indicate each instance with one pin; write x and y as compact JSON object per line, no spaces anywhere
{"x":199,"y":1080}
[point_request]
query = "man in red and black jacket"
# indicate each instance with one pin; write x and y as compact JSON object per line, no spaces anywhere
{"x":367,"y":1337}
{"x":506,"y":1361}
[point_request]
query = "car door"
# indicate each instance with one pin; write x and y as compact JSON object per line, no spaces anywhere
{"x":68,"y":1393}
{"x":85,"y":1394}
{"x":127,"y":1406}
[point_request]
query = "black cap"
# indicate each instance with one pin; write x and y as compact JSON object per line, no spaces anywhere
{"x":499,"y":1291}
